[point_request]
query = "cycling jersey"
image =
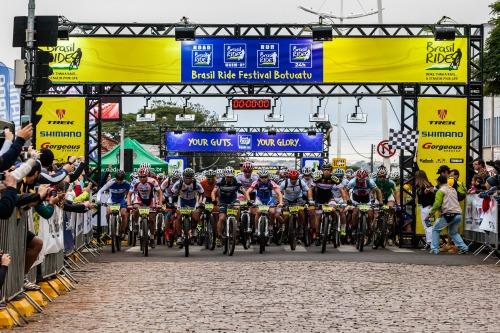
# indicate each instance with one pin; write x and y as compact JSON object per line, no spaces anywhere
{"x":264,"y":191}
{"x":228,"y":191}
{"x":337,"y":191}
{"x":293,"y":192}
{"x":344,"y":182}
{"x":309,"y":182}
{"x":360,"y":190}
{"x":323,"y":190}
{"x":387,"y":187}
{"x":117,"y":191}
{"x":145,"y":192}
{"x":246,"y":182}
{"x":187,"y":191}
{"x":207,"y":189}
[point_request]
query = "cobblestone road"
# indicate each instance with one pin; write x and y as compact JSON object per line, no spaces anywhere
{"x":276,"y":296}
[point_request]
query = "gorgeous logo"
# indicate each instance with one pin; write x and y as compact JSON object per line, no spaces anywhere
{"x":59,"y":147}
{"x":202,"y":55}
{"x":235,"y":55}
{"x":442,"y":113}
{"x":60,"y":113}
{"x":429,"y":145}
{"x":268,"y":55}
{"x":301,"y":55}
{"x":442,"y":56}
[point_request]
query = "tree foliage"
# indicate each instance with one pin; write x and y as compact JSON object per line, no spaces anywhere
{"x":492,"y":54}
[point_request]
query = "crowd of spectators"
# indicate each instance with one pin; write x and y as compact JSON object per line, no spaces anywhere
{"x":34,"y":179}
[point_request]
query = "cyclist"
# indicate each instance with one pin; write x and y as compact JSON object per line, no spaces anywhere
{"x":225,"y":193}
{"x":349,"y":174}
{"x":340,"y":173}
{"x":208,"y":185}
{"x":118,"y":188}
{"x":361,"y":187}
{"x":282,"y":174}
{"x":323,"y":194}
{"x":190,"y":194}
{"x":386,"y":186}
{"x":146,"y":193}
{"x":265,"y":188}
{"x":307,"y":176}
{"x":294,"y":189}
{"x":246,"y":178}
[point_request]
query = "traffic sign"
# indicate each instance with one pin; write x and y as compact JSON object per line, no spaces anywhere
{"x":384,"y":150}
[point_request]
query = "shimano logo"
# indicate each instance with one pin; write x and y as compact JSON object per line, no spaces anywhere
{"x":60,"y":122}
{"x":426,"y":134}
{"x":441,"y":122}
{"x":61,"y":134}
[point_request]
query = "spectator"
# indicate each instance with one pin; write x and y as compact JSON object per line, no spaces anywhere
{"x":5,"y":262}
{"x":9,"y":196}
{"x":451,"y":215}
{"x":425,"y":196}
{"x":445,"y":171}
{"x":480,"y":168}
{"x":476,"y":185}
{"x":8,"y":158}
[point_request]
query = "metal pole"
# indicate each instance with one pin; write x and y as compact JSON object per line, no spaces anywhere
{"x":492,"y":121}
{"x":29,"y":55}
{"x":371,"y":157}
{"x":339,"y":112}
{"x":383,"y":100}
{"x":122,"y":148}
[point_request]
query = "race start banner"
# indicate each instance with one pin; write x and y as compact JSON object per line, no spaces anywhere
{"x":243,"y":142}
{"x":230,"y":60}
{"x":442,"y":125}
{"x":62,"y":127}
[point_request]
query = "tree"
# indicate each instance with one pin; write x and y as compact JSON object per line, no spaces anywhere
{"x":165,"y":112}
{"x":492,"y":55}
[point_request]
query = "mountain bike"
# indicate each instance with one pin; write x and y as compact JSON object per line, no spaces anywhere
{"x":160,"y":229}
{"x":382,"y":228}
{"x":293,"y":223}
{"x":186,"y":213}
{"x":144,"y":232}
{"x":362,"y":228}
{"x":245,"y":225}
{"x":208,"y":226}
{"x":229,"y":230}
{"x":262,"y":226}
{"x":329,"y":227}
{"x":115,"y":221}
{"x":133,"y":229}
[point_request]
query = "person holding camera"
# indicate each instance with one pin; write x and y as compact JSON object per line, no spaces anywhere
{"x":10,"y":156}
{"x":4,"y":266}
{"x":451,"y":215}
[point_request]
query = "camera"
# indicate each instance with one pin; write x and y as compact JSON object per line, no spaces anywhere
{"x":2,"y":176}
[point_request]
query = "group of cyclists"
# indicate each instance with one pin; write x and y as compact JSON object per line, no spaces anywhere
{"x":343,"y":190}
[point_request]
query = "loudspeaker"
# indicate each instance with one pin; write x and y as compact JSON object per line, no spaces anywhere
{"x":45,"y":31}
{"x":185,"y":33}
{"x":129,"y":160}
{"x":444,"y":33}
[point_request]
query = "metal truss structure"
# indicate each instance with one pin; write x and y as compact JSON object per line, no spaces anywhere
{"x":409,"y":93}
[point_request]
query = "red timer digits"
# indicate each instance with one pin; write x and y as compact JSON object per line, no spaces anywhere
{"x":251,"y":104}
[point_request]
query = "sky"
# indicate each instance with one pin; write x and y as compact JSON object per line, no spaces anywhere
{"x":295,"y":110}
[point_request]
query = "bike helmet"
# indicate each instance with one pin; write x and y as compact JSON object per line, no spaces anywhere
{"x":307,"y":171}
{"x":229,"y":171}
{"x":275,"y":178}
{"x":335,"y":180}
{"x":176,"y":174}
{"x":395,"y":176}
{"x":339,"y":173}
{"x":283,"y":171}
{"x":219,"y":173}
{"x":143,"y":171}
{"x":247,"y":166}
{"x":120,"y":175}
{"x":326,"y":166}
{"x":349,"y":173}
{"x":293,"y":174}
{"x":188,"y":172}
{"x":317,"y":175}
{"x":382,"y":172}
{"x":263,"y":173}
{"x":210,"y":173}
{"x":361,"y":174}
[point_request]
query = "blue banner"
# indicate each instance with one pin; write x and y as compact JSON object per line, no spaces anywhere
{"x":10,"y":97}
{"x":241,"y":142}
{"x":252,"y":60}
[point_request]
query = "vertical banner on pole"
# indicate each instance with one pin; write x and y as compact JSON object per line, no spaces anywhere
{"x":442,"y":125}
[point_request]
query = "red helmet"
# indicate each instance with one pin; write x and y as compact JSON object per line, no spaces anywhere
{"x":143,"y":171}
{"x":361,"y":174}
{"x":247,"y":166}
{"x":293,"y":174}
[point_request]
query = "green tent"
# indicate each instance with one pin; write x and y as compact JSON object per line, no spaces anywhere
{"x":111,"y":161}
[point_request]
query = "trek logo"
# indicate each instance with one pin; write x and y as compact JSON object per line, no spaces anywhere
{"x":60,"y":122}
{"x":60,"y":113}
{"x":441,"y":122}
{"x":442,"y":113}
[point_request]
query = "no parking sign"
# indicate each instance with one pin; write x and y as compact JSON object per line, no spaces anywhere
{"x":384,"y":150}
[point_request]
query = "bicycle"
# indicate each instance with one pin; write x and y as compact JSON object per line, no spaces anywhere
{"x":186,"y":213}
{"x":144,"y":232}
{"x":160,"y":229}
{"x":384,"y":222}
{"x":307,"y":229}
{"x":329,"y":229}
{"x":208,"y":228}
{"x":169,"y":229}
{"x":361,"y":230}
{"x":229,"y":230}
{"x":115,"y":221}
{"x":262,"y":226}
{"x":293,"y":222}
{"x":245,"y":225}
{"x":133,"y":229}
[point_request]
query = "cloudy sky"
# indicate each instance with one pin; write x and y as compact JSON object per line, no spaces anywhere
{"x":295,"y":110}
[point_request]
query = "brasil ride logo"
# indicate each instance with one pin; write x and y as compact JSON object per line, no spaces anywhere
{"x":66,"y":57}
{"x":442,"y":56}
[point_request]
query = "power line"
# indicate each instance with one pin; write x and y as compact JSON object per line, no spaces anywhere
{"x":350,"y":142}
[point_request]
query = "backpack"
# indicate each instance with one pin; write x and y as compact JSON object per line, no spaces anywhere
{"x":288,"y":182}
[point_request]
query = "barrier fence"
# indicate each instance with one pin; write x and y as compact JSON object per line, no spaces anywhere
{"x":63,"y":234}
{"x":482,"y":224}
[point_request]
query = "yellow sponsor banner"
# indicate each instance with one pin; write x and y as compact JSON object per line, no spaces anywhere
{"x":62,"y":127}
{"x":116,"y":59}
{"x":442,"y":126}
{"x":391,"y":59}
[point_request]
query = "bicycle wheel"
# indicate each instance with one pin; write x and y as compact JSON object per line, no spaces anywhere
{"x":225,"y":236}
{"x":117,"y":233}
{"x":232,"y":236}
{"x":292,"y":237}
{"x":262,"y":231}
{"x":246,"y":238}
{"x":186,"y":225}
{"x":361,"y":232}
{"x":112,"y":232}
{"x":160,"y":238}
{"x":325,"y":221}
{"x":145,"y":236}
{"x":334,"y":230}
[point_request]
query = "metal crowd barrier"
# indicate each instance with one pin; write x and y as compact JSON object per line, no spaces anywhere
{"x":483,"y":238}
{"x":13,"y":241}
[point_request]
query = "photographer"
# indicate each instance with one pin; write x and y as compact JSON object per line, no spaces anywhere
{"x":50,"y":174}
{"x":8,"y":158}
{"x":4,"y":266}
{"x":9,"y":195}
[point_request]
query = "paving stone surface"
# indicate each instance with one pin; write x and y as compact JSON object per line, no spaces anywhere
{"x":276,"y":296}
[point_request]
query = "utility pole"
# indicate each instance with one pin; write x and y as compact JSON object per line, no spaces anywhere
{"x":371,"y":157}
{"x":29,"y":55}
{"x":383,"y":100}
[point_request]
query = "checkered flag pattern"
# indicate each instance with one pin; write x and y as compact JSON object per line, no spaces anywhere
{"x":405,"y":139}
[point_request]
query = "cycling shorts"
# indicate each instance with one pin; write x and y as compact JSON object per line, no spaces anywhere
{"x":270,"y":202}
{"x":188,"y":203}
